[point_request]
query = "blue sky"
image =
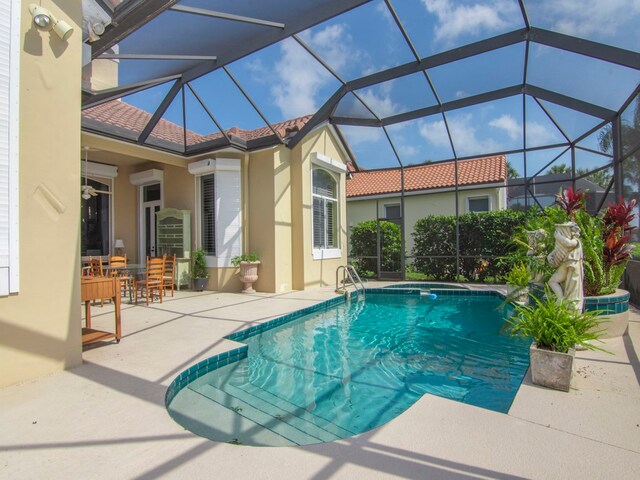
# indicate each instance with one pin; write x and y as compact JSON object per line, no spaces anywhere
{"x":286,"y":82}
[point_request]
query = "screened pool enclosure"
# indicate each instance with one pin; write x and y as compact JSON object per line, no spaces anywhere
{"x":553,"y":86}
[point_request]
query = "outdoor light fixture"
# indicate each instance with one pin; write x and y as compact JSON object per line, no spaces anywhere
{"x":44,"y":21}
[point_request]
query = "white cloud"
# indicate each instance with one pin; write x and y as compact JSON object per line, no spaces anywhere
{"x":587,"y":18}
{"x":434,"y":132}
{"x":300,"y":77}
{"x":464,"y":133}
{"x":360,"y":135}
{"x":509,"y":125}
{"x":456,"y":19}
{"x":408,"y":150}
{"x":379,"y":100}
{"x":537,"y":133}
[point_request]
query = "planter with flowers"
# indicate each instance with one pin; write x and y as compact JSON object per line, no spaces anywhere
{"x":248,"y":264}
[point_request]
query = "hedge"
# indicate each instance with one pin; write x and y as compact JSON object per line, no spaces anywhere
{"x":364,"y":243}
{"x":485,"y":237}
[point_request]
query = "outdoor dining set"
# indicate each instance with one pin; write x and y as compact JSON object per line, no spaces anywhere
{"x":149,"y":280}
{"x":115,"y":278}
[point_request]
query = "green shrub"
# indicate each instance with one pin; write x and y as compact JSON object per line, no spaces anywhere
{"x":518,"y":275}
{"x":364,"y":243}
{"x":485,"y":238}
{"x":555,"y":325}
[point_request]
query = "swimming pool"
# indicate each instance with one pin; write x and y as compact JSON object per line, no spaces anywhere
{"x":349,"y":367}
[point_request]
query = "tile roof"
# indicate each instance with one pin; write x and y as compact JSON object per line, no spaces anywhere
{"x":123,"y":115}
{"x":474,"y":171}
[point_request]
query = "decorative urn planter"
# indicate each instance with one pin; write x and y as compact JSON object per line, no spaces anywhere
{"x":249,"y":275}
{"x":614,"y":312}
{"x":551,"y":369}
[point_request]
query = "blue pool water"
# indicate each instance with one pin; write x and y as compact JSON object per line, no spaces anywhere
{"x":429,"y":286}
{"x":357,"y":365}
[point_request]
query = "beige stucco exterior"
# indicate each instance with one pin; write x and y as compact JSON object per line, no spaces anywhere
{"x":40,"y":326}
{"x":308,"y":272}
{"x":40,"y":329}
{"x":417,"y":206}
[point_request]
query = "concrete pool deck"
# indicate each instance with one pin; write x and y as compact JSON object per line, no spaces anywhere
{"x":106,"y":418}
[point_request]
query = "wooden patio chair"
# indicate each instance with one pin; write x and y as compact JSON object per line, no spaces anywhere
{"x":95,"y":270}
{"x":95,"y":267}
{"x":152,"y":281}
{"x":169,"y":273}
{"x":119,"y":264}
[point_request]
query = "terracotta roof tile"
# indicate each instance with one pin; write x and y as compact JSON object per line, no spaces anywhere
{"x":123,"y":115}
{"x":426,"y":177}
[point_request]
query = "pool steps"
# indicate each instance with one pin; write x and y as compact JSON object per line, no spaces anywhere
{"x":285,"y":419}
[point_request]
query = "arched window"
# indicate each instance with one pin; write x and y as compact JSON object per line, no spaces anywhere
{"x":325,"y":210}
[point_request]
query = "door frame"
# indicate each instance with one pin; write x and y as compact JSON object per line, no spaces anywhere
{"x":142,"y":255}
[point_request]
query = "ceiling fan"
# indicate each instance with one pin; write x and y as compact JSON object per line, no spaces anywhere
{"x":89,"y":191}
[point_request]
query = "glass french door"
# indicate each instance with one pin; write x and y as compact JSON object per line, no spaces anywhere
{"x":151,"y":203}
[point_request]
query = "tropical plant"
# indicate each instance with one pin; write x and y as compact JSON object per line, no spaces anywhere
{"x":245,"y":257}
{"x":556,"y":325}
{"x":518,"y":275}
{"x":199,"y":267}
{"x":562,"y":168}
{"x":571,"y":201}
{"x":605,"y":254}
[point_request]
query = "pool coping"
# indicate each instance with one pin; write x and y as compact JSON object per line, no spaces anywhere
{"x":236,"y":354}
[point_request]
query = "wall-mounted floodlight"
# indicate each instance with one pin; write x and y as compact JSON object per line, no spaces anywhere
{"x":44,"y":21}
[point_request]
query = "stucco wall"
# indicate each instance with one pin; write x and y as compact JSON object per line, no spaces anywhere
{"x":40,"y":327}
{"x":419,"y":206}
{"x":261,"y":216}
{"x":310,"y":273}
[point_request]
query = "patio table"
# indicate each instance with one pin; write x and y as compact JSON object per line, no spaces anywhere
{"x":136,"y":271}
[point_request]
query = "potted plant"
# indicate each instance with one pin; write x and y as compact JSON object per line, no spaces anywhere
{"x":518,"y":283}
{"x":556,"y":329}
{"x":248,"y":263}
{"x":605,"y":248}
{"x":199,"y":272}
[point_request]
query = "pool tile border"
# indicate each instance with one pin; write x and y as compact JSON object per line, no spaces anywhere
{"x":225,"y":358}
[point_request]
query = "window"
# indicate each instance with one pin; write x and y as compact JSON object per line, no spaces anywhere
{"x":208,"y":214}
{"x":96,"y":221}
{"x":97,"y":210}
{"x":218,"y":209}
{"x":325,"y":210}
{"x":392,"y":212}
{"x":478,"y":204}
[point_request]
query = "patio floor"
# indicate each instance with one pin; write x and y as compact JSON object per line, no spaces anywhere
{"x":106,"y":418}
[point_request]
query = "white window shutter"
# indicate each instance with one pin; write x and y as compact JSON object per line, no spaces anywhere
{"x":9,"y":73}
{"x":228,"y":211}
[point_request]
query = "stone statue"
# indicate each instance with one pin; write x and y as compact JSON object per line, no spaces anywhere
{"x":566,"y":258}
{"x":535,"y":240}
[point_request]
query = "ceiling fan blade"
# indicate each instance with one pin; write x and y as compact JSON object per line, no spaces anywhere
{"x":106,"y":192}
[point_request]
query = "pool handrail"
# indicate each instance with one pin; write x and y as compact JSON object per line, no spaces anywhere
{"x":348,"y":271}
